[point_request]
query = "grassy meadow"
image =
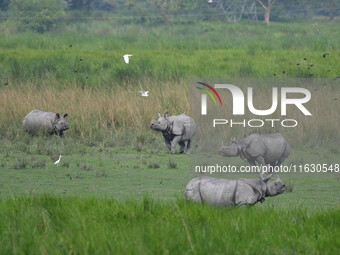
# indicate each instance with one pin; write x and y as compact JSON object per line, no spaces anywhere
{"x":117,"y":189}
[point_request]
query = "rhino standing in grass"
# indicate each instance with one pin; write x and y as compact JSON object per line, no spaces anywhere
{"x":175,"y":130}
{"x":49,"y":122}
{"x":227,"y":192}
{"x":270,"y":149}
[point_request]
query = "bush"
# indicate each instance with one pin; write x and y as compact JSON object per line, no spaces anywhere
{"x":38,"y":15}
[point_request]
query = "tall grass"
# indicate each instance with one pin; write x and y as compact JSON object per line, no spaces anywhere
{"x":95,"y":114}
{"x":53,"y":225}
{"x":91,"y":82}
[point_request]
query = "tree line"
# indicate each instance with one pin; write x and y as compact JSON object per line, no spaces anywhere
{"x":42,"y":15}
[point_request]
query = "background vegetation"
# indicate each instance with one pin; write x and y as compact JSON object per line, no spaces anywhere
{"x":117,"y":189}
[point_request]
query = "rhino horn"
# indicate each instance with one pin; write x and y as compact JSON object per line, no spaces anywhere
{"x":265,"y":179}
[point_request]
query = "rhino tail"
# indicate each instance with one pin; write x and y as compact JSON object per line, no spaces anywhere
{"x":192,"y":190}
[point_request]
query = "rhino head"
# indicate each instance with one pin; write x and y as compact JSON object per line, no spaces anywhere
{"x":162,"y":124}
{"x":232,"y":150}
{"x":274,"y":188}
{"x":60,"y":124}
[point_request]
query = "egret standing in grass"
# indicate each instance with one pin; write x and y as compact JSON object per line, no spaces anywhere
{"x":144,"y":93}
{"x":58,"y":161}
{"x":127,"y":58}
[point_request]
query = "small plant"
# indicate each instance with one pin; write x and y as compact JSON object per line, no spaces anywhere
{"x":86,"y":167}
{"x":66,"y":164}
{"x":172,"y":164}
{"x":20,"y":164}
{"x":101,"y":174}
{"x":289,"y":186}
{"x":39,"y":164}
{"x":78,"y":176}
{"x":154,"y":165}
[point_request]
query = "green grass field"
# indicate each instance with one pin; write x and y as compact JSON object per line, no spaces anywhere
{"x":118,"y":190}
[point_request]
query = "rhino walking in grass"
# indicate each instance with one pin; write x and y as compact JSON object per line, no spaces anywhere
{"x":228,"y":192}
{"x":270,"y":149}
{"x":49,"y":122}
{"x":176,"y":130}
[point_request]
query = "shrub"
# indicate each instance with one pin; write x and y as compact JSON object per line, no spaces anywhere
{"x":172,"y":164}
{"x":38,"y":15}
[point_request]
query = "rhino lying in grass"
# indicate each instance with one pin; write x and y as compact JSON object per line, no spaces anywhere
{"x":49,"y":122}
{"x":270,"y":149}
{"x":175,"y":130}
{"x":226,"y":193}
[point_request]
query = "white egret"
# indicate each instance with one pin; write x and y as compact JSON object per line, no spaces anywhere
{"x":127,"y":58}
{"x":144,"y":93}
{"x":58,"y":161}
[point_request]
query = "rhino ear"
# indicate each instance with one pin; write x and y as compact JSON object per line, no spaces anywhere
{"x":65,"y":115}
{"x":57,"y":116}
{"x":159,"y":114}
{"x":165,"y":114}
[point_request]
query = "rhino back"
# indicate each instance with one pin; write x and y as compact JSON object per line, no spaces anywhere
{"x":225,"y":192}
{"x":37,"y":120}
{"x":189,"y":124}
{"x":271,"y":146}
{"x":218,"y":192}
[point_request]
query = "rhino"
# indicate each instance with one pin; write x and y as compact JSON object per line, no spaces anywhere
{"x":175,"y":130}
{"x":232,"y":192}
{"x":270,"y":149}
{"x":48,"y":122}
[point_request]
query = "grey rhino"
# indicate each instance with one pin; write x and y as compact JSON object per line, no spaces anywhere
{"x":270,"y":149}
{"x":175,"y":130}
{"x":50,"y":122}
{"x":228,"y":192}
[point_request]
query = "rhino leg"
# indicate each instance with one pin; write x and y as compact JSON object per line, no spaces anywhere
{"x":260,"y":160}
{"x":280,"y":161}
{"x":167,"y":143}
{"x":181,"y":147}
{"x":174,"y":143}
{"x":188,"y":146}
{"x":251,"y":162}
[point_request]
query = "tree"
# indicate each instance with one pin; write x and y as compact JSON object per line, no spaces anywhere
{"x":163,"y":6}
{"x":268,"y":8}
{"x":4,"y":5}
{"x":38,"y":15}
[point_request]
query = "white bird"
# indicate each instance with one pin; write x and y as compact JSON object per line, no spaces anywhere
{"x":58,"y":161}
{"x":127,"y":58}
{"x":210,"y":1}
{"x":144,"y":93}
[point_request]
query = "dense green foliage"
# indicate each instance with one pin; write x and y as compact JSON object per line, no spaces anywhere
{"x":51,"y":225}
{"x":161,"y":53}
